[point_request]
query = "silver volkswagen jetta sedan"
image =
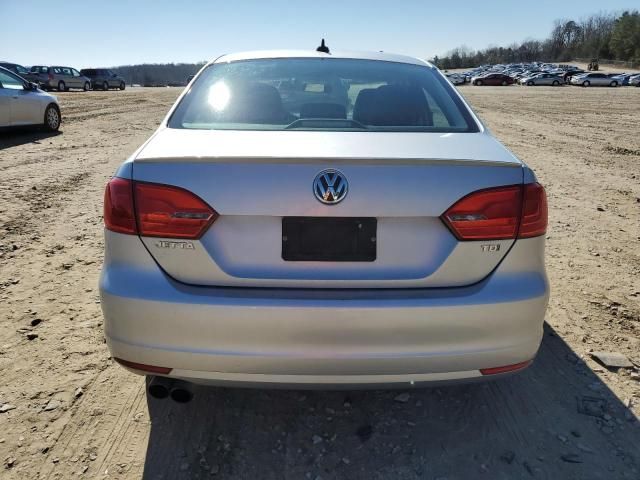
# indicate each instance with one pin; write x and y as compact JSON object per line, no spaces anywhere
{"x":310,"y":219}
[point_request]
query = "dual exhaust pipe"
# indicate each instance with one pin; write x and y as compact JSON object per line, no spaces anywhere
{"x":163,"y":387}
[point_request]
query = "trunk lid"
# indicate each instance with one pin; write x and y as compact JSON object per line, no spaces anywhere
{"x":255,"y":178}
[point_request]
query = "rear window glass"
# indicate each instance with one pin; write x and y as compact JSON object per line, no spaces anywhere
{"x":322,"y":94}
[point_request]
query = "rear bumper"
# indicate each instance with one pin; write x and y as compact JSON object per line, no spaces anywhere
{"x":319,"y":337}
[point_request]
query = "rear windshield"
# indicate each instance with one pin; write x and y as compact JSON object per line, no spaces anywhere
{"x":322,"y":94}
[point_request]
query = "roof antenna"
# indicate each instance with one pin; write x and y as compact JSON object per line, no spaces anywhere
{"x":322,"y":48}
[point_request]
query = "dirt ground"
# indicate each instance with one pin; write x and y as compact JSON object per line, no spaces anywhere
{"x":69,"y":412}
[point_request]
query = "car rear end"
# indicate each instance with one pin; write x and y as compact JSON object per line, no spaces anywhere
{"x":41,"y":75}
{"x":577,"y":79}
{"x":282,"y":240}
{"x":91,"y":74}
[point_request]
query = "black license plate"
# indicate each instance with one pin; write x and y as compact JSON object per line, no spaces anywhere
{"x":329,"y":239}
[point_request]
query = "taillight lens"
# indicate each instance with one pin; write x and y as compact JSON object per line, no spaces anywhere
{"x":155,"y":210}
{"x":118,"y":206}
{"x":172,"y":212}
{"x":534,"y":211}
{"x":499,"y":213}
{"x":486,"y":214}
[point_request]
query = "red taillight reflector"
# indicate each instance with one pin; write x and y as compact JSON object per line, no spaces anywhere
{"x":118,"y":206}
{"x":534,"y":211}
{"x":506,"y":368}
{"x":143,"y":367}
{"x":491,"y":214}
{"x":171,"y":212}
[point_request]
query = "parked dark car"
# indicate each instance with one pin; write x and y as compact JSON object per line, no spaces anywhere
{"x":59,"y":78}
{"x":15,"y":68}
{"x":493,"y":79}
{"x":104,"y":78}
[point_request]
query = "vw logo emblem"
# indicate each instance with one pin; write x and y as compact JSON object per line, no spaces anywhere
{"x":330,"y":186}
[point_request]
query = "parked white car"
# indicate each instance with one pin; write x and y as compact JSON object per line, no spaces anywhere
{"x":23,"y":103}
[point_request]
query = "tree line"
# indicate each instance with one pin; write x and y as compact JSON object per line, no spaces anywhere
{"x":612,"y":36}
{"x":158,"y":74}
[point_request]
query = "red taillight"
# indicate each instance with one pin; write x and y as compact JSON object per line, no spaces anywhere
{"x":506,"y":368}
{"x":155,"y":210}
{"x":534,"y":212}
{"x":486,"y":214}
{"x":499,"y":213}
{"x":118,"y":206}
{"x":171,"y":212}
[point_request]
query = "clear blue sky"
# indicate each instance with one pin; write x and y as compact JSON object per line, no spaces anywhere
{"x":117,"y":32}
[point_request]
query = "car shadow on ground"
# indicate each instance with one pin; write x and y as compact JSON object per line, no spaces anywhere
{"x":20,"y":136}
{"x":555,"y":420}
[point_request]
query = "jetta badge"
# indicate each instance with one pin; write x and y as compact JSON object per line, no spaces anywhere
{"x":330,"y":186}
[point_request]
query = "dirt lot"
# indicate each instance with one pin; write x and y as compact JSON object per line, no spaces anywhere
{"x":77,"y":415}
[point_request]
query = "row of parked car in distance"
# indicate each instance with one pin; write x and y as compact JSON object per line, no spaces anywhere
{"x":541,"y":74}
{"x":64,"y":78}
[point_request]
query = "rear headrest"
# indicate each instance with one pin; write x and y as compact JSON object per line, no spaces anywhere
{"x":323,"y":110}
{"x":393,"y":106}
{"x":255,"y":103}
{"x":365,"y":105}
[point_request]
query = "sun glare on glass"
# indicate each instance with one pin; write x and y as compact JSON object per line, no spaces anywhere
{"x":219,"y":96}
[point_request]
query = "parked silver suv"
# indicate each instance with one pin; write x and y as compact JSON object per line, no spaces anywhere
{"x":59,"y":78}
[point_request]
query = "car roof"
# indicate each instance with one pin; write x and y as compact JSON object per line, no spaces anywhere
{"x":264,"y":54}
